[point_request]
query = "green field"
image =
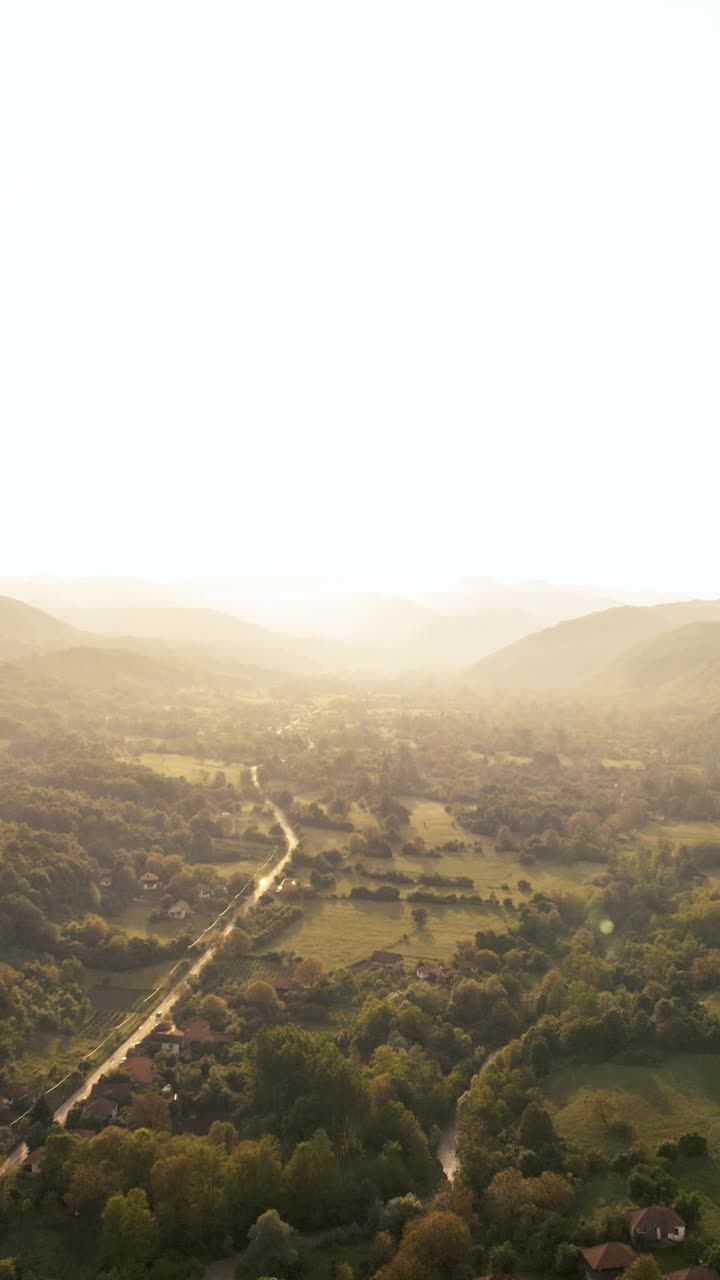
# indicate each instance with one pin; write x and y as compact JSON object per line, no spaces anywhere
{"x":683,"y":832}
{"x":430,"y":821}
{"x":134,"y":920}
{"x":340,"y":931}
{"x":681,"y":1094}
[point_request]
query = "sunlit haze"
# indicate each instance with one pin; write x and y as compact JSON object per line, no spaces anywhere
{"x":396,"y":293}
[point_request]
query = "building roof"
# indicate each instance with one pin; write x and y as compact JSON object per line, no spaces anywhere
{"x":120,"y":1090}
{"x":103,"y":1108}
{"x":148,"y":875}
{"x":696,"y":1272}
{"x":140,"y":1068}
{"x":287,"y":986}
{"x":34,"y":1157}
{"x":180,"y":905}
{"x":386,"y":957}
{"x":611,"y":1256}
{"x":658,"y":1217}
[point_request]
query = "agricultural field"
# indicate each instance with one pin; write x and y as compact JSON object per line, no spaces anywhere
{"x":683,"y":832}
{"x":342,"y":931}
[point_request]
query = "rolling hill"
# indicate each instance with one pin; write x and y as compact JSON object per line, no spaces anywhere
{"x":573,"y":653}
{"x":24,"y":629}
{"x":679,"y":665}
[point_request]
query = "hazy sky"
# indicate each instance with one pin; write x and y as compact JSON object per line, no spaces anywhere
{"x":399,"y":290}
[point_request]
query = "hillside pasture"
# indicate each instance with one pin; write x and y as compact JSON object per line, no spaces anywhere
{"x":664,"y":1101}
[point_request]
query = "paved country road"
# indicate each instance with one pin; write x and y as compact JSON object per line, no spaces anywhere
{"x":162,"y":1008}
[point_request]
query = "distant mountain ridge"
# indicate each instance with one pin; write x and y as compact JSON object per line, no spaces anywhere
{"x":24,"y":629}
{"x":572,"y":653}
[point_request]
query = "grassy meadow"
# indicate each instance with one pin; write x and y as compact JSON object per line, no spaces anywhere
{"x":664,"y":1101}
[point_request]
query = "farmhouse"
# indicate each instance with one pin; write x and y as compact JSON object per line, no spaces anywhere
{"x":429,"y":972}
{"x":656,"y":1225}
{"x":140,"y":1068}
{"x":287,"y":987}
{"x":387,"y":959}
{"x":149,"y":881}
{"x":606,"y":1261}
{"x":104,"y":1109}
{"x":179,"y":910}
{"x":117,"y":1090}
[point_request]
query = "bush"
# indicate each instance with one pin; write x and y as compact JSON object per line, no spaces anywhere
{"x":692,"y":1144}
{"x":566,"y":1259}
{"x":667,"y":1150}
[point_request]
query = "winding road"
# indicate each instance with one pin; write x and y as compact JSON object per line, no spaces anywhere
{"x":162,"y":1008}
{"x":447,"y":1149}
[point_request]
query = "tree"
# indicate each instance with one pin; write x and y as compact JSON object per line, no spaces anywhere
{"x":214,"y":1008}
{"x":420,"y":916}
{"x":129,"y":1234}
{"x":536,"y":1128}
{"x":90,"y":1186}
{"x":692,"y":1144}
{"x":223,"y":1134}
{"x":237,"y":944}
{"x":565,"y":1261}
{"x":312,"y":1180}
{"x":643,"y":1268}
{"x":309,"y":971}
{"x":432,"y":1247}
{"x":602,"y":1107}
{"x":262,"y":995}
{"x":150,"y":1111}
{"x":501,"y":1259}
{"x":271,"y":1247}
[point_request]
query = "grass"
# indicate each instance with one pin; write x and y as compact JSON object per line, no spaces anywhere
{"x":430,"y":821}
{"x":610,"y":763}
{"x":341,"y":932}
{"x":683,"y":832}
{"x":681,"y":1094}
{"x":134,"y":920}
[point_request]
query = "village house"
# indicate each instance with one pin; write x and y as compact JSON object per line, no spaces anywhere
{"x":165,"y":1036}
{"x":140,"y":1068}
{"x":117,"y":1090}
{"x":33,"y":1162}
{"x":204,"y":891}
{"x":104,"y":1109}
{"x":179,"y":910}
{"x":287,"y":987}
{"x":198,"y":1030}
{"x":429,"y":972}
{"x":606,"y":1261}
{"x":149,"y":881}
{"x":105,"y":878}
{"x":387,"y":959}
{"x":657,"y":1225}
